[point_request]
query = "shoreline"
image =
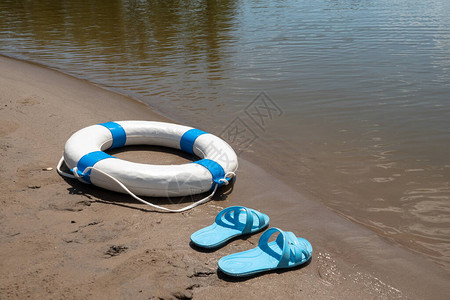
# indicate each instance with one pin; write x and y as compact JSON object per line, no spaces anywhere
{"x":57,"y":234}
{"x":282,"y":171}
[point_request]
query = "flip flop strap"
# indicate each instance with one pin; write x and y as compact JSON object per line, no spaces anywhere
{"x":249,"y":220}
{"x":262,"y":220}
{"x":285,"y":254}
{"x":298,"y":251}
{"x":235,"y":218}
{"x":290,"y":246}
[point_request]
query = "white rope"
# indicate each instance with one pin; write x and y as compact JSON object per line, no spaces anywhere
{"x":163,"y":209}
{"x":60,"y":172}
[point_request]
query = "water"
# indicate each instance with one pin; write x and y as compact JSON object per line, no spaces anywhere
{"x":356,"y":107}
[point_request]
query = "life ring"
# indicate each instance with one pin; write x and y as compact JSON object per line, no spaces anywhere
{"x":84,"y":155}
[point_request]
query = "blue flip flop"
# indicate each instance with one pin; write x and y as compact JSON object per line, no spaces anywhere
{"x":286,"y":251}
{"x":230,"y":222}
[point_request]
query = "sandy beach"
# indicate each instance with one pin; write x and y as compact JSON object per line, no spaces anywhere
{"x":61,"y":239}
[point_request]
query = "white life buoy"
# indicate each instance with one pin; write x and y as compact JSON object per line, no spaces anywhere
{"x":84,"y":155}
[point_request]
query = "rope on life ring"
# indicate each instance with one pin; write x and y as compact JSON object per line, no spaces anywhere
{"x":83,"y":154}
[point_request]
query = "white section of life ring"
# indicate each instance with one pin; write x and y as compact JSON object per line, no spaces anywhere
{"x":146,"y":179}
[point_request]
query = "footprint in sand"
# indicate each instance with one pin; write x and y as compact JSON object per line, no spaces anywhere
{"x":28,"y":101}
{"x":327,"y":269}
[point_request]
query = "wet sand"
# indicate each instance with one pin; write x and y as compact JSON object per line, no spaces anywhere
{"x":60,"y":239}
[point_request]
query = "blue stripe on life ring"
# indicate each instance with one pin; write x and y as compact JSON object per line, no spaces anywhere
{"x":214,"y":168}
{"x":188,"y":139}
{"x":118,"y":134}
{"x":89,"y":160}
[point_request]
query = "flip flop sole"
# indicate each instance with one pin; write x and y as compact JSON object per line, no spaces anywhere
{"x":259,"y":260}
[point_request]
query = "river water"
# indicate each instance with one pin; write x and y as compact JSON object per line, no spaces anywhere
{"x":347,"y":101}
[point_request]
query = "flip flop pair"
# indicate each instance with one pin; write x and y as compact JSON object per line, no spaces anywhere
{"x":286,"y":251}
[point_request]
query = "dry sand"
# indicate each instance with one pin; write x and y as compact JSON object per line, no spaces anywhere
{"x":60,"y":239}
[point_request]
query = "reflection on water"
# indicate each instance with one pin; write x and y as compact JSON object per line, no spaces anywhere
{"x":364,"y":87}
{"x":130,"y":45}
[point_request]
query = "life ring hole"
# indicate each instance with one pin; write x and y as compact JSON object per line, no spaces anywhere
{"x":153,"y":155}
